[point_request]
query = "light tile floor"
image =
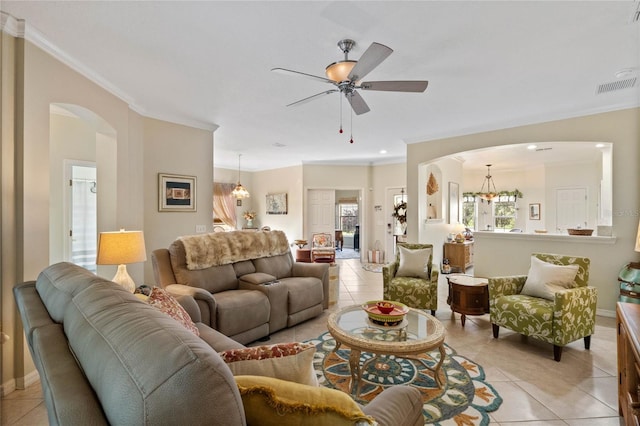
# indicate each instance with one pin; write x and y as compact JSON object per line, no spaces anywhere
{"x":536,"y":390}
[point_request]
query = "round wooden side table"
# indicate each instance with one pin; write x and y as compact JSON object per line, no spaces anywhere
{"x":468,"y":295}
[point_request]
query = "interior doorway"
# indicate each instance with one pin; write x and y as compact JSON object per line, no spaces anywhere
{"x":81,"y":214}
{"x":571,"y":208}
{"x":395,"y":231}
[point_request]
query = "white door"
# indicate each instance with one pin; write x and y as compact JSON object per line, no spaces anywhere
{"x":394,"y":196}
{"x":321,"y":208}
{"x":571,"y":208}
{"x":82,"y":214}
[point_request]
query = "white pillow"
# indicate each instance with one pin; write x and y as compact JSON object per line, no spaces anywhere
{"x":284,"y":361}
{"x":545,"y":279}
{"x":413,"y":263}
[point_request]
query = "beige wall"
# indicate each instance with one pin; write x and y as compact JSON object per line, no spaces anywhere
{"x":502,"y":256}
{"x":175,"y":149}
{"x":39,"y":81}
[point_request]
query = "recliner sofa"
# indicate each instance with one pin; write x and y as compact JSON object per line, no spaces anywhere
{"x":106,"y":357}
{"x":246,"y":284}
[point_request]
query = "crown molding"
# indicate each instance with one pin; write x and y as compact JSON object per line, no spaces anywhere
{"x":11,"y":25}
{"x":19,"y":28}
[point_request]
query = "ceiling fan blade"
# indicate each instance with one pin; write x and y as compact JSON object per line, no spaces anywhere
{"x":304,"y":74}
{"x":357,"y":103}
{"x":310,"y":98}
{"x":371,"y":58}
{"x":395,"y":86}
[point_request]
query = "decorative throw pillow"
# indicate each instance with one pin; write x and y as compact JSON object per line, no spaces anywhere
{"x":268,"y":401}
{"x":414,"y":263}
{"x":285,"y":361}
{"x":170,"y":306}
{"x":545,"y":279}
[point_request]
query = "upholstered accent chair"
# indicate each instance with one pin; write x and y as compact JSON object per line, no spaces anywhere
{"x":322,"y":248}
{"x":566,"y":311}
{"x":412,"y":279}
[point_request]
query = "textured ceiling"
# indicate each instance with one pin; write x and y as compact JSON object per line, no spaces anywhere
{"x":207,"y":63}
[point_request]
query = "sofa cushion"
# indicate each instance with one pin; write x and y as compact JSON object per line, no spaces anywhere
{"x":270,"y":401}
{"x":241,"y":310}
{"x":284,"y":361}
{"x":166,"y":303}
{"x":213,"y":279}
{"x":278,"y":266}
{"x":244,"y":267}
{"x":304,"y":292}
{"x":114,"y":336}
{"x":58,"y":283}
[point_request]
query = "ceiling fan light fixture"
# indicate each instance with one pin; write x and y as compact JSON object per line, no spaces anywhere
{"x":339,"y":71}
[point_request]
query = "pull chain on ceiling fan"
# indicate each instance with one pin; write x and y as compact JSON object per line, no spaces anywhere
{"x":346,"y":76}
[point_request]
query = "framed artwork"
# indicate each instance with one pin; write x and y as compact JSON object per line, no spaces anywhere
{"x":277,"y":203}
{"x":454,"y":203}
{"x":534,"y":211}
{"x":176,"y":193}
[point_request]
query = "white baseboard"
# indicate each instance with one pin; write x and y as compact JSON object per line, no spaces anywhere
{"x":606,"y":313}
{"x":21,"y":383}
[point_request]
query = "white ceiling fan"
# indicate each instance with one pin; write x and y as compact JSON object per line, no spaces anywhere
{"x":346,"y":76}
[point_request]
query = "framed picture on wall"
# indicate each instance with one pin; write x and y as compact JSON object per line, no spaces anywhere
{"x":454,"y":203}
{"x":534,"y":211}
{"x":277,"y":203}
{"x":176,"y":193}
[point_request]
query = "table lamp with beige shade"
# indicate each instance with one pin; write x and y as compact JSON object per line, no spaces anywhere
{"x":120,"y":248}
{"x":629,"y":278}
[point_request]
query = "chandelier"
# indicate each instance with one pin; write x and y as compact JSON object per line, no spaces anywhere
{"x":240,"y":191}
{"x":491,"y":192}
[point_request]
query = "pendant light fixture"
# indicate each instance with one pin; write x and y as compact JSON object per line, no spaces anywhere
{"x":491,"y":192}
{"x":239,"y":191}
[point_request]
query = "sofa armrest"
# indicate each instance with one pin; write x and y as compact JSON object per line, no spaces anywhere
{"x":204,"y":300}
{"x":505,"y":286}
{"x":388,"y":272}
{"x":162,"y":269}
{"x":397,"y":405}
{"x":574,"y":314}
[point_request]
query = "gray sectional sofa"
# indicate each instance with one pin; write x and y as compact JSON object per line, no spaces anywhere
{"x":245,"y":283}
{"x":106,"y":357}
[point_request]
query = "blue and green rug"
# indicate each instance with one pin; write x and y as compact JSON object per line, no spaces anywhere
{"x":465,"y":399}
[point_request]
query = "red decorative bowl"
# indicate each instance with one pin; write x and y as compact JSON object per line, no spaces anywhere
{"x":385,"y":307}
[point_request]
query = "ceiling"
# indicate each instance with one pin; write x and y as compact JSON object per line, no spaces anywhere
{"x":207,"y":64}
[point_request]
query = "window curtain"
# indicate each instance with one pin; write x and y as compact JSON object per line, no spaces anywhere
{"x":224,"y":206}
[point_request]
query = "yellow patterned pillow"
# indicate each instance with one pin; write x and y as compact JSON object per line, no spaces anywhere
{"x":269,"y":401}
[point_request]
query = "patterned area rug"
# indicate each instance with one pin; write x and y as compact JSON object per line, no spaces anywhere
{"x":465,"y":399}
{"x":372,"y":267}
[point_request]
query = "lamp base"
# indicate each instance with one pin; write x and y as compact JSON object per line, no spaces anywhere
{"x":123,"y":278}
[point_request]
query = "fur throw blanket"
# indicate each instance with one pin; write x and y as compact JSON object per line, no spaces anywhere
{"x":221,"y":248}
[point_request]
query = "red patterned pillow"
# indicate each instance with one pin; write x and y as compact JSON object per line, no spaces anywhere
{"x":170,"y":306}
{"x":285,"y":361}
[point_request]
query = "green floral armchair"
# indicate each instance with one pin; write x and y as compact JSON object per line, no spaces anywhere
{"x":419,"y":293}
{"x":571,"y":314}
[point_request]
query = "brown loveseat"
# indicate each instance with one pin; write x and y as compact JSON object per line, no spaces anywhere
{"x":246,"y":284}
{"x":106,"y":357}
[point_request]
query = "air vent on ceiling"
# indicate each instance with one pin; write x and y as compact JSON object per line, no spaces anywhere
{"x":543,"y":149}
{"x":279,"y":145}
{"x":617,"y":85}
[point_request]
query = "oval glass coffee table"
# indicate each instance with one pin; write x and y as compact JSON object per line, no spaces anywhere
{"x":418,"y":333}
